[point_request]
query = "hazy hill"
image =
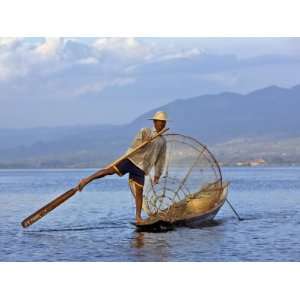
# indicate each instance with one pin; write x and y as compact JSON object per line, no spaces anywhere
{"x":260,"y":118}
{"x":272,"y":111}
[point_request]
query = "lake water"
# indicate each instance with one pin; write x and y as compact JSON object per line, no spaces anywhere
{"x":95,"y":225}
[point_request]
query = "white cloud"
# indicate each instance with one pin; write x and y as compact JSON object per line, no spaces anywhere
{"x":101,"y":84}
{"x":71,"y":67}
{"x":52,"y":73}
{"x":10,"y":43}
{"x":176,"y":54}
{"x":50,"y":47}
{"x":19,"y":59}
{"x":122,"y":47}
{"x":88,"y":61}
{"x":11,"y":58}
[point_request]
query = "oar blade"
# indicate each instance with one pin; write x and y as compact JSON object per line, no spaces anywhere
{"x":48,"y":208}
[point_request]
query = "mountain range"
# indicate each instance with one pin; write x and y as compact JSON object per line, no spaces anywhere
{"x":236,"y":127}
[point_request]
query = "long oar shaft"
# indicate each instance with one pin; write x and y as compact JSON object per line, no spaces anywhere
{"x":65,"y":196}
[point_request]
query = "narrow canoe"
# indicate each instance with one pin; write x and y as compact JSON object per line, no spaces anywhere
{"x":192,"y":213}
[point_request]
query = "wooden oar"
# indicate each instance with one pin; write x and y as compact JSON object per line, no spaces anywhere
{"x":65,"y":196}
{"x":48,"y":207}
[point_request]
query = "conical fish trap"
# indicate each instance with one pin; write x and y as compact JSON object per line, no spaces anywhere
{"x":191,"y":182}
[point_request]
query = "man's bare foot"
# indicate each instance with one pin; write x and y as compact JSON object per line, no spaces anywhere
{"x":139,"y":220}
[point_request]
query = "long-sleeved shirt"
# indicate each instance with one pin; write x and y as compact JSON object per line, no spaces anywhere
{"x":153,"y":154}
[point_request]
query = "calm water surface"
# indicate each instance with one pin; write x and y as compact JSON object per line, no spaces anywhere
{"x":95,"y":225}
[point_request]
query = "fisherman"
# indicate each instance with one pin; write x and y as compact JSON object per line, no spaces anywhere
{"x":139,"y":163}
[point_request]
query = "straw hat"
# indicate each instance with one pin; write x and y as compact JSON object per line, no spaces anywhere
{"x":160,"y":115}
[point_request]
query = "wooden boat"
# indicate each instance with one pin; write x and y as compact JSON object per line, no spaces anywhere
{"x":195,"y":211}
{"x":154,"y":224}
{"x":190,"y":191}
{"x":206,"y":212}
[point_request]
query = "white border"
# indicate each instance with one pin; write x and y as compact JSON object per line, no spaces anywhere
{"x":189,"y":18}
{"x":157,"y":19}
{"x":149,"y":281}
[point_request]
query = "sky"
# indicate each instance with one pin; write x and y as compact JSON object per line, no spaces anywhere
{"x":85,"y":81}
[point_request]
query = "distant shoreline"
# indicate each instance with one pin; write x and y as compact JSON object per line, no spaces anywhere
{"x":97,"y":168}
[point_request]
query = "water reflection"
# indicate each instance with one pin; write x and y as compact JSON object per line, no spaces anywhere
{"x":151,"y":246}
{"x":138,"y":240}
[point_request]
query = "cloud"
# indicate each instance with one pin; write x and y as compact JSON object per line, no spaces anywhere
{"x":12,"y":64}
{"x":71,"y":67}
{"x":176,"y":54}
{"x":19,"y":59}
{"x":122,"y":48}
{"x":131,"y":50}
{"x":66,"y":68}
{"x":10,"y":43}
{"x":102,"y":84}
{"x":88,"y":61}
{"x":143,"y":72}
{"x":50,"y":47}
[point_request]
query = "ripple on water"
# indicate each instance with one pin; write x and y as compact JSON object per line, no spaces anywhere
{"x":95,"y":225}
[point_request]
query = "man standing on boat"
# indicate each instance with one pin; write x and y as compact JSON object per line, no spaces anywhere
{"x":140,"y":163}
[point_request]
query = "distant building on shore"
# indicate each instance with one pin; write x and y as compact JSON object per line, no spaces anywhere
{"x":252,"y":163}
